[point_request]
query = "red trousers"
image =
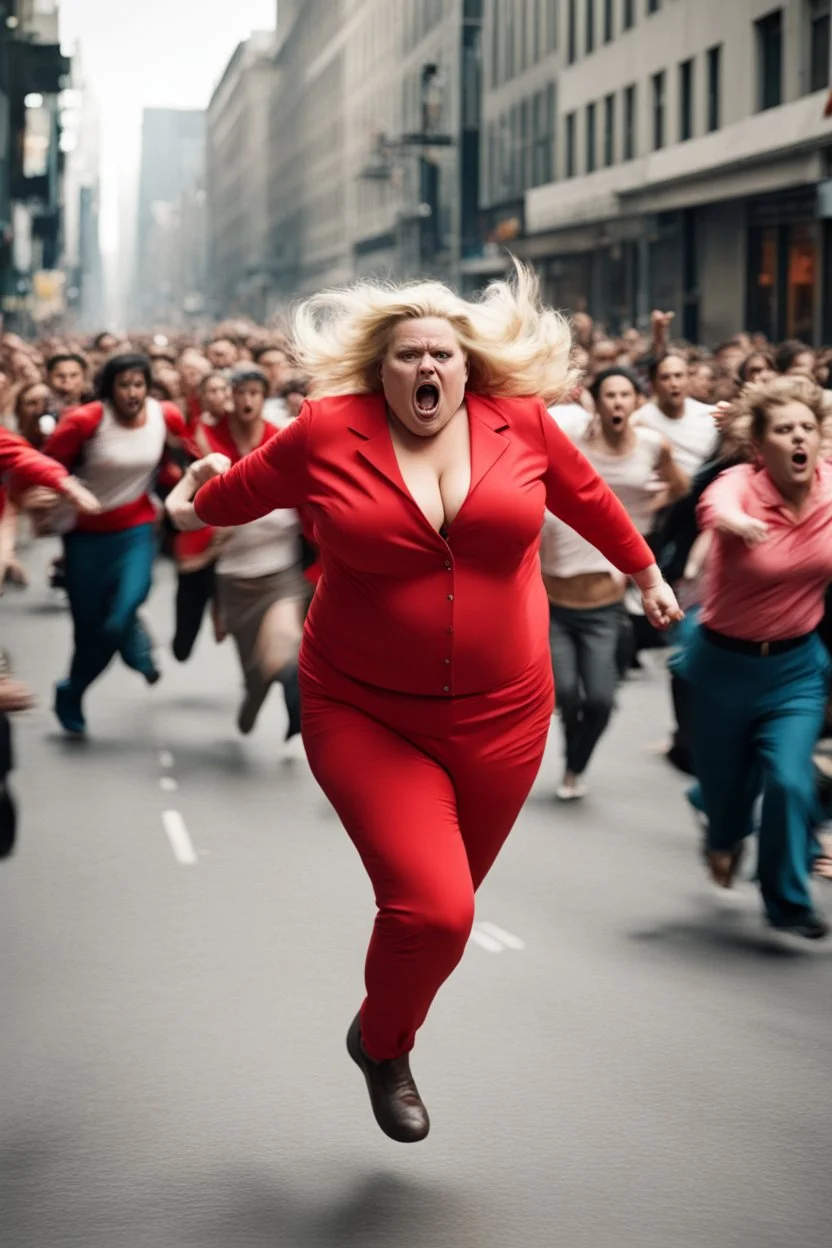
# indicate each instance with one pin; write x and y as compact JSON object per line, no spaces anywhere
{"x":428,"y":790}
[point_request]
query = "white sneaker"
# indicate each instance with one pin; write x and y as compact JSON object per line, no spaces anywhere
{"x":571,"y":791}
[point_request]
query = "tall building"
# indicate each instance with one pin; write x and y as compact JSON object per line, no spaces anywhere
{"x":80,"y":142}
{"x":374,"y":162}
{"x":237,"y":145}
{"x":172,"y":171}
{"x":663,"y":153}
{"x":33,"y":73}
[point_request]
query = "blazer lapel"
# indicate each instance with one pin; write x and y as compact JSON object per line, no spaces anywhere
{"x":487,"y":438}
{"x":368,"y":419}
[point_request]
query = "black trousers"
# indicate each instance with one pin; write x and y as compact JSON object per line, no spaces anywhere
{"x":194,"y":592}
{"x":8,"y":812}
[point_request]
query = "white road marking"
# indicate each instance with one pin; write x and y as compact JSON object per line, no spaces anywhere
{"x":168,"y":784}
{"x":180,"y":841}
{"x":165,"y":759}
{"x":486,"y":942}
{"x":500,"y":934}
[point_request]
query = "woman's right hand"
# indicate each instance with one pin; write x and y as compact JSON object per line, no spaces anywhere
{"x":179,"y":503}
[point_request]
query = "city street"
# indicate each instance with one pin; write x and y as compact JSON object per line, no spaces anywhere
{"x":619,"y":1060}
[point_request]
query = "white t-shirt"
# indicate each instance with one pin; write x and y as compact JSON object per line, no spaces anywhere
{"x":563,"y":552}
{"x":261,"y":547}
{"x":692,"y":437}
{"x":120,"y":461}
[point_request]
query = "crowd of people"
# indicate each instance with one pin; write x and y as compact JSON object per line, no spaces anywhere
{"x":324,"y":490}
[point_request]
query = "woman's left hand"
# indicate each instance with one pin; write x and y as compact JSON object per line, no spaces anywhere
{"x":660,"y":606}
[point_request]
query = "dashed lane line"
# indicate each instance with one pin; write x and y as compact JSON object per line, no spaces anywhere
{"x":179,"y":837}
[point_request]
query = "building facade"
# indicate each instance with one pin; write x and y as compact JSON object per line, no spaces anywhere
{"x":33,"y":75}
{"x":171,"y":177}
{"x":237,"y":144}
{"x":374,"y":140}
{"x":670,"y":153}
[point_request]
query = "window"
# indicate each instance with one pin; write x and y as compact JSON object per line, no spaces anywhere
{"x":630,"y":135}
{"x":658,"y":110}
{"x":770,"y":60}
{"x":590,"y":138}
{"x":570,"y":145}
{"x":609,"y":21}
{"x":653,"y":6}
{"x":714,"y":75}
{"x":819,"y":32}
{"x":609,"y":131}
{"x":543,"y":120}
{"x":551,"y":24}
{"x":496,"y":19}
{"x":628,"y":15}
{"x":589,"y":29}
{"x":685,"y":101}
{"x":572,"y":33}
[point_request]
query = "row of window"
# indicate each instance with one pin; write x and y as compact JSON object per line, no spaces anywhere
{"x":521,"y":143}
{"x":659,"y":136}
{"x":607,"y":19}
{"x":523,"y":32}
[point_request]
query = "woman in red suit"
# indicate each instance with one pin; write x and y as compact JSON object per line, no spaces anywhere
{"x":426,"y":459}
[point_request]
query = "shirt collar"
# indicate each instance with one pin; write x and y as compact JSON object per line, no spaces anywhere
{"x":769,"y":495}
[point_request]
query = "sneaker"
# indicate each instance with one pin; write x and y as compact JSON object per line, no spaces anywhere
{"x":571,"y":790}
{"x":68,"y":710}
{"x":811,"y":926}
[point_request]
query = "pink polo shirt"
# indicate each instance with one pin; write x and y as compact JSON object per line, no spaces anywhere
{"x":775,"y":590}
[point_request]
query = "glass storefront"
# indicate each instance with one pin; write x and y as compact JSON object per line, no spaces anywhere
{"x":784,"y":266}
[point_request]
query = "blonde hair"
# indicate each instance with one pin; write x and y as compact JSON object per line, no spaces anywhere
{"x":752,"y":409}
{"x":515,"y":345}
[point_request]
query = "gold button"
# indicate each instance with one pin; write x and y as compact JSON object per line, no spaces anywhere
{"x":448,"y":564}
{"x":447,"y":661}
{"x":446,"y":688}
{"x":450,"y":597}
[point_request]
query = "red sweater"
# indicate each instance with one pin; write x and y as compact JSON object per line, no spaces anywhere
{"x":398,"y":606}
{"x":26,"y":466}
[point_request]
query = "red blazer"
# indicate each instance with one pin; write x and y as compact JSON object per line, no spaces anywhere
{"x":398,"y":606}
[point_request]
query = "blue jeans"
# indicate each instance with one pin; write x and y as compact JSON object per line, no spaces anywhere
{"x":755,"y":723}
{"x":108,"y":577}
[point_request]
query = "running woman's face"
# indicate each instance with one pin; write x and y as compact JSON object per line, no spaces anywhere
{"x":130,"y":393}
{"x":617,"y":400}
{"x":791,"y":445}
{"x":423,"y":374}
{"x":248,"y":402}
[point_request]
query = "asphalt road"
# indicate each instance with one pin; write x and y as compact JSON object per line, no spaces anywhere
{"x":619,"y":1062}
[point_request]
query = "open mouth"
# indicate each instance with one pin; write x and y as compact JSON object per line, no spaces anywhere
{"x":427,"y":400}
{"x":800,"y":459}
{"x":617,"y":421}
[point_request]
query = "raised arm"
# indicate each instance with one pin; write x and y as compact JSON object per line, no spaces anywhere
{"x":721,"y":507}
{"x":275,"y":476}
{"x":29,"y":468}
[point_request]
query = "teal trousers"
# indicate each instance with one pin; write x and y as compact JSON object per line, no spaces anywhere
{"x":755,"y":723}
{"x":108,"y":577}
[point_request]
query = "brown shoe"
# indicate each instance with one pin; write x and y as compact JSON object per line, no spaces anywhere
{"x":723,"y":864}
{"x":394,"y":1097}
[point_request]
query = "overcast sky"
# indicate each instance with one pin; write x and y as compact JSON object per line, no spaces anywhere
{"x":157,"y":53}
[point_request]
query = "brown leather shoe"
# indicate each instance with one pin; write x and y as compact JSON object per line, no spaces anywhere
{"x":724,"y":864}
{"x":394,"y":1097}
